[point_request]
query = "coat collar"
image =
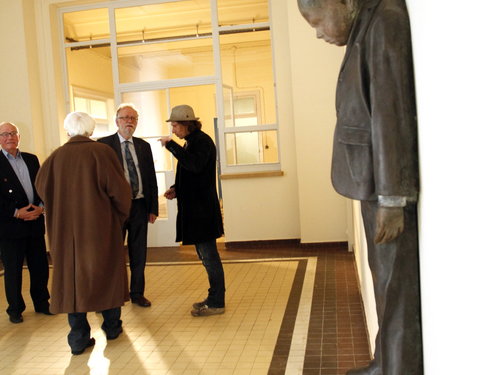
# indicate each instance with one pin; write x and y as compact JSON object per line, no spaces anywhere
{"x":360,"y":25}
{"x":79,"y":139}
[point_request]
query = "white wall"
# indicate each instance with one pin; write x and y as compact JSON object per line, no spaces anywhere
{"x":302,"y":203}
{"x":315,"y":66}
{"x":445,"y":41}
{"x":19,"y":95}
{"x":364,"y":275}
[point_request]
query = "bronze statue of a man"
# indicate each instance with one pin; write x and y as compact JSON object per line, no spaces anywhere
{"x":375,"y":160}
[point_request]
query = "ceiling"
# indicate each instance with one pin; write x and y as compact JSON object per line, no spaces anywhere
{"x":163,"y":20}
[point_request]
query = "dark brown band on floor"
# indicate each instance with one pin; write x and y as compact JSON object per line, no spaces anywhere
{"x":284,"y":340}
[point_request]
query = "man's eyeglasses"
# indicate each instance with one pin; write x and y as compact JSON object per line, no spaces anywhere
{"x":131,"y":118}
{"x":6,"y":134}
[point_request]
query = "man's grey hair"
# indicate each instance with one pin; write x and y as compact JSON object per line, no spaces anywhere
{"x":79,"y":123}
{"x":9,"y":123}
{"x":126,"y":105}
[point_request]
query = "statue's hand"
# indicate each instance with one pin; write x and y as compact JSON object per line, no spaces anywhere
{"x":389,"y":224}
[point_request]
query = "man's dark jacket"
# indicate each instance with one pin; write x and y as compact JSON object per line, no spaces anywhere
{"x":199,"y":218}
{"x":146,"y":165}
{"x":13,"y":196}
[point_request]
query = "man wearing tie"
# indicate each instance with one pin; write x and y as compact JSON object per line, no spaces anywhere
{"x":22,"y":226}
{"x":136,"y":157}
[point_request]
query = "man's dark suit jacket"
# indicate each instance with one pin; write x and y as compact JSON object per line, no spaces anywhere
{"x":12,"y":196}
{"x":146,"y":165}
{"x":375,"y":144}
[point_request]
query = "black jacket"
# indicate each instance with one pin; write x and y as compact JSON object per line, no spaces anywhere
{"x":146,"y":165}
{"x":199,"y":218}
{"x":12,"y":196}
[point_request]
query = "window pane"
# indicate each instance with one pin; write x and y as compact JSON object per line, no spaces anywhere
{"x":152,"y":114}
{"x":162,"y":201}
{"x":166,"y":20}
{"x":228,"y":105}
{"x":154,"y":108}
{"x":86,"y":25}
{"x":98,"y":109}
{"x":90,"y":77}
{"x":245,"y":105}
{"x":152,"y":62}
{"x":237,"y":12}
{"x":80,"y":105}
{"x":246,"y":121}
{"x":239,"y":53}
{"x":90,"y":69}
{"x":252,"y":147}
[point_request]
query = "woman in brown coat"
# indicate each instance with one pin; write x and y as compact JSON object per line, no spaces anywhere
{"x":87,"y":200}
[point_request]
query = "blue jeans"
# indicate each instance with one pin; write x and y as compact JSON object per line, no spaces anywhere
{"x":80,"y":329}
{"x":208,"y":254}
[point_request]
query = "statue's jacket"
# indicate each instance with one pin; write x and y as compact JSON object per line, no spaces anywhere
{"x":375,"y":143}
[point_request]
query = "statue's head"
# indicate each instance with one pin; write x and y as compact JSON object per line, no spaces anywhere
{"x":332,"y":19}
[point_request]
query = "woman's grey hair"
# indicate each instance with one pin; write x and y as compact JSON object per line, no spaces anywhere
{"x":79,"y":123}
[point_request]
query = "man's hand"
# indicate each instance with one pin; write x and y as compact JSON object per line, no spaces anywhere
{"x":170,"y":193}
{"x":29,"y":213}
{"x":152,"y":218}
{"x":164,"y":140}
{"x":390,"y":224}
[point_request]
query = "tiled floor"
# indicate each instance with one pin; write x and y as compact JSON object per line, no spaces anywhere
{"x":290,"y":310}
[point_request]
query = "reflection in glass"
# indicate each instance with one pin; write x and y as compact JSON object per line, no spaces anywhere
{"x":153,"y":109}
{"x":162,"y":201}
{"x":239,"y":53}
{"x":163,"y":21}
{"x":161,"y":157}
{"x":228,"y":105}
{"x":90,"y":68}
{"x":86,"y":25}
{"x":251,"y":147}
{"x":91,"y":83}
{"x":159,"y":61}
{"x":238,"y":12}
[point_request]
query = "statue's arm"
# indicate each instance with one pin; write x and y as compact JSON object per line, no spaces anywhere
{"x":389,"y":220}
{"x":394,"y":127}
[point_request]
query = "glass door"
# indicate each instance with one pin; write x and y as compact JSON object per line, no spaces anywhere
{"x":154,"y":107}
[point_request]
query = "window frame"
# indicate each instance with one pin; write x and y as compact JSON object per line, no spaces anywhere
{"x":217,"y":30}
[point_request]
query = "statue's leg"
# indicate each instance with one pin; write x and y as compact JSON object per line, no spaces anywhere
{"x":395,"y":276}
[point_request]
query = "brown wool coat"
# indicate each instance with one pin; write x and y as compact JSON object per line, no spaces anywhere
{"x":87,"y":199}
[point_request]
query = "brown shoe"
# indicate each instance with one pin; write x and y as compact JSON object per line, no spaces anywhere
{"x":199,"y":305}
{"x":141,"y":301}
{"x":207,"y":311}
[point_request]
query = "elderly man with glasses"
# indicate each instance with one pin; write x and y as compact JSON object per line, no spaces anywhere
{"x":135,"y":155}
{"x":22,"y":226}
